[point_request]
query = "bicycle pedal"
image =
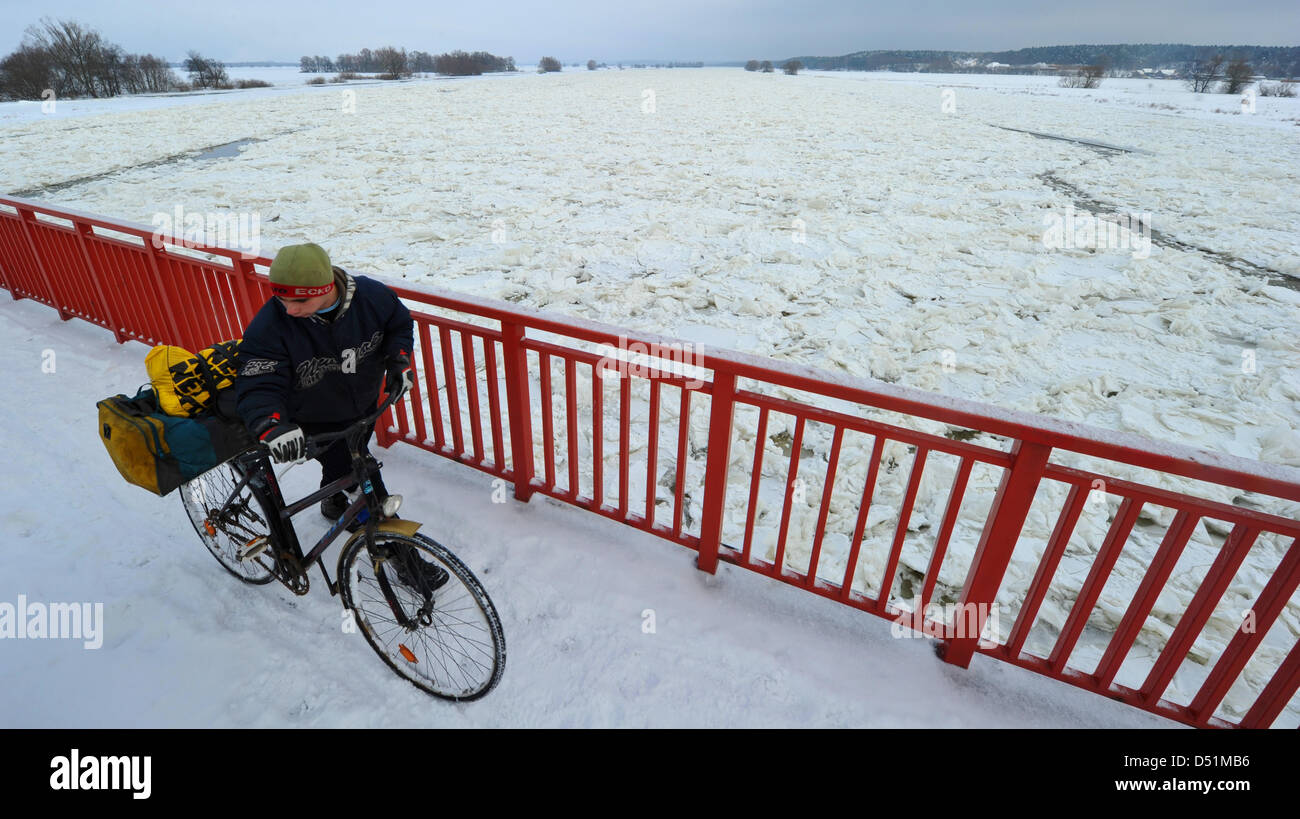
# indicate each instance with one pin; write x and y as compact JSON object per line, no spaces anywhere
{"x":254,"y":547}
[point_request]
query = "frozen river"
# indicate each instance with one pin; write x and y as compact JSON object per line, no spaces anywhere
{"x":881,"y":225}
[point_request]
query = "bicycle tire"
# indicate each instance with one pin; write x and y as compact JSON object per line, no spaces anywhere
{"x":460,"y":655}
{"x":201,"y":496}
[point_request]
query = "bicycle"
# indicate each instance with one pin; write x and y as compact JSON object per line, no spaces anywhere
{"x":437,"y":629}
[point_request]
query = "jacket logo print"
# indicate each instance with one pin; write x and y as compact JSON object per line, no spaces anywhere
{"x":311,"y":371}
{"x":258,"y":366}
{"x":370,"y":346}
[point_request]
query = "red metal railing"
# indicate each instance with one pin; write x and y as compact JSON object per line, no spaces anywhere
{"x":802,"y":476}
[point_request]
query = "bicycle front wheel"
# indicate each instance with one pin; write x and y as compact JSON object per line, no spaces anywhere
{"x":230,"y":530}
{"x":452,"y":645}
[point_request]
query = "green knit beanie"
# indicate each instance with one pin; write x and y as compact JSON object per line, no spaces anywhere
{"x":302,"y":272}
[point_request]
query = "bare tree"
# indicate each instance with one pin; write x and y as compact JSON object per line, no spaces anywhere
{"x":392,"y":62}
{"x":1237,"y":77}
{"x":752,"y":65}
{"x":1205,"y":73}
{"x":111,"y":69}
{"x":765,"y":66}
{"x":156,"y":75}
{"x":205,"y":73}
{"x":548,"y":64}
{"x":76,"y":54}
{"x":1085,"y":76}
{"x":422,"y":62}
{"x":26,"y":73}
{"x":591,"y":65}
{"x":792,"y":67}
{"x":1286,"y":88}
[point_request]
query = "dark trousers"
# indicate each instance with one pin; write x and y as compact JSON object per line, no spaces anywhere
{"x":336,"y":461}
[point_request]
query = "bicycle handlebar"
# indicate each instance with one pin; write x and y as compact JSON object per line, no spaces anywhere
{"x":317,"y":443}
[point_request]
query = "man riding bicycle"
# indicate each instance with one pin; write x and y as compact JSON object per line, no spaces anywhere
{"x":313,"y":361}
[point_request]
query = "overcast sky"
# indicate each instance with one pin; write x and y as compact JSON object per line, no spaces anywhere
{"x":626,"y":30}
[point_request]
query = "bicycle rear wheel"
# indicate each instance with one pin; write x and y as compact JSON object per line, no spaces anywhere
{"x":229,"y":532}
{"x":453,"y":647}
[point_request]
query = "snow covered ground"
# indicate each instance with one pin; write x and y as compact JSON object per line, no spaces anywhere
{"x":881,"y":225}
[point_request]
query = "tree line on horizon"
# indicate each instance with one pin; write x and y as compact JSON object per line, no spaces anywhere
{"x":1272,"y":61}
{"x":391,"y":61}
{"x":71,"y":60}
{"x":789,"y":66}
{"x":75,"y":61}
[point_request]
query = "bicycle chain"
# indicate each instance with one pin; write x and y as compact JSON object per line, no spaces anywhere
{"x":291,"y":574}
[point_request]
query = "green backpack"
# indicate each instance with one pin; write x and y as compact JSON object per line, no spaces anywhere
{"x":160,"y":452}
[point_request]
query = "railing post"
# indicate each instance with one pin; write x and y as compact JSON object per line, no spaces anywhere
{"x":721,"y":406}
{"x":519,"y":407}
{"x":1010,"y":507}
{"x":27,"y":217}
{"x":82,"y":229}
{"x":244,"y":273}
{"x":4,"y":279}
{"x":1275,"y":696}
{"x":162,"y":291}
{"x":384,"y":438}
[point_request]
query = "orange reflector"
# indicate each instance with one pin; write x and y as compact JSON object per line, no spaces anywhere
{"x":406,"y":652}
{"x":212,"y":530}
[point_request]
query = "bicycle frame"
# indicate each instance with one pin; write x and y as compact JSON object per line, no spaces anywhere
{"x":255,"y":465}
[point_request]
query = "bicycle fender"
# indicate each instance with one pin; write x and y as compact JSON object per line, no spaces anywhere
{"x":397,"y":526}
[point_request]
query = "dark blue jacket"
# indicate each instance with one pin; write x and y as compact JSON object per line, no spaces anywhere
{"x":317,"y":370}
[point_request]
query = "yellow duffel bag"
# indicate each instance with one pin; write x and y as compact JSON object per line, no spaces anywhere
{"x":185,"y":382}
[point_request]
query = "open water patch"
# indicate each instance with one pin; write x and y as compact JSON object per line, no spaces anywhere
{"x":226,"y":150}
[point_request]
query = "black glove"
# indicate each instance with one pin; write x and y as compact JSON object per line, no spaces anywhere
{"x":285,"y":439}
{"x":399,"y":376}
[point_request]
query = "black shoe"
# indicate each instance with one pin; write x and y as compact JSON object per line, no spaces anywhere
{"x":334,"y":506}
{"x":410,"y":566}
